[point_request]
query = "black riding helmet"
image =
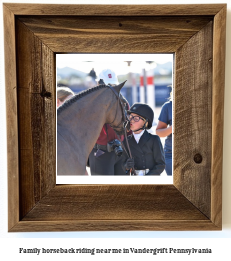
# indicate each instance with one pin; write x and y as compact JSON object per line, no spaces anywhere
{"x":143,"y":110}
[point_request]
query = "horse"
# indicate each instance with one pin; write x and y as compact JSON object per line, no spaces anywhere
{"x":79,"y":122}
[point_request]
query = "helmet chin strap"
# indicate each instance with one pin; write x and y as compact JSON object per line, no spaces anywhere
{"x":142,"y":127}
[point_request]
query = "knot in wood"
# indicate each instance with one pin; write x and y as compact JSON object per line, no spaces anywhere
{"x":198,"y":158}
{"x":45,"y":94}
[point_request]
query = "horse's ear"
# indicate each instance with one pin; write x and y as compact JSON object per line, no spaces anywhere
{"x":119,"y":87}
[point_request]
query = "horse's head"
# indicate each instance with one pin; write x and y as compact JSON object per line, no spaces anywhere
{"x":120,"y":109}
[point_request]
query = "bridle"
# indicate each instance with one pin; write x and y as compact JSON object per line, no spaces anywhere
{"x":124,"y":118}
{"x":124,"y":121}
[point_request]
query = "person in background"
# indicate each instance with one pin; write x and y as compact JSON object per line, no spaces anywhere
{"x":146,"y":148}
{"x":103,"y":159}
{"x":164,"y":129}
{"x":63,"y":94}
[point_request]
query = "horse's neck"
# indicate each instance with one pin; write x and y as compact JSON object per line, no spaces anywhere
{"x":82,"y":122}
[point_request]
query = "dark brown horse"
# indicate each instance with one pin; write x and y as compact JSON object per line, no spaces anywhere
{"x":79,"y":122}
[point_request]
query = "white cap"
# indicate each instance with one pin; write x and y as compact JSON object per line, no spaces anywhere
{"x":108,"y":76}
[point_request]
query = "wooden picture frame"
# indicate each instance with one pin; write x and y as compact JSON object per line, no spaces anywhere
{"x":33,"y":34}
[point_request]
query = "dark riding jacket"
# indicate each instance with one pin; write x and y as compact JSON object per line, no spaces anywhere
{"x":147,"y":154}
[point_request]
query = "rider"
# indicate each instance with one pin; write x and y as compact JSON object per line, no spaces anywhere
{"x":146,"y":149}
{"x":103,"y":160}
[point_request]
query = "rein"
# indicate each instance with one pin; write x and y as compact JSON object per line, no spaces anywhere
{"x":132,"y":172}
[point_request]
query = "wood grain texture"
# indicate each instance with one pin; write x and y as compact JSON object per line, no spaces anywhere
{"x":114,"y":10}
{"x":218,"y":114}
{"x":114,"y":34}
{"x":193,"y":115}
{"x":114,"y":225}
{"x":111,"y":207}
{"x":114,"y":202}
{"x":36,"y":94}
{"x":12,"y":121}
{"x":194,"y":201}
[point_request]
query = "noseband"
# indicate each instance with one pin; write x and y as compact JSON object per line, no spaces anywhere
{"x":124,"y":122}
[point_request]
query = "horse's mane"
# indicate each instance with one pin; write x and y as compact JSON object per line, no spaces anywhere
{"x":76,"y":97}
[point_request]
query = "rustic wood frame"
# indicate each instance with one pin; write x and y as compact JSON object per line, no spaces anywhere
{"x":33,"y":34}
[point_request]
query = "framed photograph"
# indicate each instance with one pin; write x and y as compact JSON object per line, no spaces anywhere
{"x":34,"y":34}
{"x":148,"y":80}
